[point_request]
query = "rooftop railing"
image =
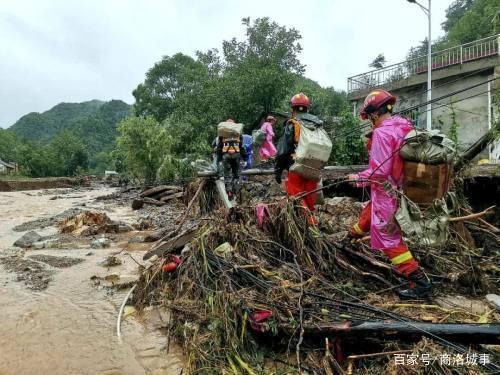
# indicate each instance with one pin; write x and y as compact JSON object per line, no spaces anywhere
{"x":461,"y":54}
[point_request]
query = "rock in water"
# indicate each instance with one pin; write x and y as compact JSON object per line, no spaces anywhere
{"x":28,"y":239}
{"x":137,"y":204}
{"x":100,"y":243}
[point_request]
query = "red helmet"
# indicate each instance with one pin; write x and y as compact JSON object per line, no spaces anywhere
{"x":300,"y":100}
{"x":376,"y":100}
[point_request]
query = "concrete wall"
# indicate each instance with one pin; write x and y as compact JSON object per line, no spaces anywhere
{"x":470,"y":114}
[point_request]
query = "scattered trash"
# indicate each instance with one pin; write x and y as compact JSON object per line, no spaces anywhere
{"x":224,"y":250}
{"x":129,"y":311}
{"x":169,"y":267}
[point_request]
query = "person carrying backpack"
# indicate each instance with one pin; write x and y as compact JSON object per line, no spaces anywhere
{"x":268,"y":150}
{"x":229,"y":150}
{"x":247,"y":144}
{"x":302,"y":177}
{"x":386,"y":169}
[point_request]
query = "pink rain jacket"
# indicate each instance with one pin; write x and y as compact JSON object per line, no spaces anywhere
{"x":268,"y":150}
{"x":385,"y":166}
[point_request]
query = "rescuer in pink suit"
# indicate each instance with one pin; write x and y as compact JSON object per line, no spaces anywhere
{"x":268,"y":150}
{"x":385,"y":175}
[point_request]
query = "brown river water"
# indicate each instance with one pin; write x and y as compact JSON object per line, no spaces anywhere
{"x":70,"y":327}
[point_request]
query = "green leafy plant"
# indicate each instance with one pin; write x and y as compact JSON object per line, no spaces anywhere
{"x":453,"y":130}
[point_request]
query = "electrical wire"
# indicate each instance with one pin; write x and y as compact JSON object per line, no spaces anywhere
{"x":417,"y":106}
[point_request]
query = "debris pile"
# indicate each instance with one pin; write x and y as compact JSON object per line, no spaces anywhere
{"x":242,"y":293}
{"x":90,"y":223}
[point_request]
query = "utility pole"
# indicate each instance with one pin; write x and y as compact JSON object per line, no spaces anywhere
{"x":427,"y":11}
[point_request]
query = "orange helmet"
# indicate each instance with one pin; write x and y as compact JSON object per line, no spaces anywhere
{"x":376,"y":100}
{"x":300,"y":100}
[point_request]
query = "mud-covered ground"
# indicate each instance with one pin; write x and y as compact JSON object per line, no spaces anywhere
{"x":60,"y":296}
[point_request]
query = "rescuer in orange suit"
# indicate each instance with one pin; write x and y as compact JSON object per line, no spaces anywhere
{"x":296,"y":184}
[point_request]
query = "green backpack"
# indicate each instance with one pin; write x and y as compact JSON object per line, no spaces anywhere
{"x":258,"y":137}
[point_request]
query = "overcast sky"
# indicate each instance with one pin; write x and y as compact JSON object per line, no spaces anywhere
{"x":55,"y":51}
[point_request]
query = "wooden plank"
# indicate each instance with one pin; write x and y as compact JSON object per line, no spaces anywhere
{"x":154,"y":202}
{"x":157,"y":189}
{"x":167,"y":198}
{"x":173,"y":244}
{"x":169,"y":192}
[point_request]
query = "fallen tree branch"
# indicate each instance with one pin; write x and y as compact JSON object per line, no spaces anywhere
{"x":169,"y":197}
{"x":348,"y":266}
{"x":157,"y":189}
{"x":374,"y":262}
{"x":190,"y":204}
{"x":482,"y":221}
{"x":472,"y":216}
{"x":152,"y":201}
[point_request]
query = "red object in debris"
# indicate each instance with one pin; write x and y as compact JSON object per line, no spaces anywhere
{"x":169,"y":267}
{"x":258,"y":320}
{"x":176,"y":259}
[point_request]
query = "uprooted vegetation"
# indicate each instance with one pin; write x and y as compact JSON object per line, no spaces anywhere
{"x":262,"y":298}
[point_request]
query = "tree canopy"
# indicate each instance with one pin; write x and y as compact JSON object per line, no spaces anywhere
{"x":378,"y":62}
{"x":176,"y":109}
{"x":244,"y":81}
{"x":466,"y":21}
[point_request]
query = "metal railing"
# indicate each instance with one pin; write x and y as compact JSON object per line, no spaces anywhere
{"x":461,"y":54}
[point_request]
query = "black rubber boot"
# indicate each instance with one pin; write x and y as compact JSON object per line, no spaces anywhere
{"x":420,"y":287}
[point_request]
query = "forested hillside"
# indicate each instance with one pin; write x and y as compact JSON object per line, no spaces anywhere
{"x":69,"y":138}
{"x":94,"y":122}
{"x":46,"y":125}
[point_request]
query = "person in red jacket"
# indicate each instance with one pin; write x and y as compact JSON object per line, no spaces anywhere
{"x":296,"y":184}
{"x":385,"y":176}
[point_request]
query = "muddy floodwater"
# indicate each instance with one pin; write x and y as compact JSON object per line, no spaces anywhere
{"x":70,"y":327}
